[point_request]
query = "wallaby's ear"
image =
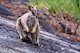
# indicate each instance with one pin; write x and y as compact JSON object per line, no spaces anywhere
{"x":33,"y":10}
{"x":30,"y":10}
{"x":35,"y":7}
{"x":29,"y":7}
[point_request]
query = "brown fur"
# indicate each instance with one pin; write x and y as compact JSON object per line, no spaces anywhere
{"x":28,"y":26}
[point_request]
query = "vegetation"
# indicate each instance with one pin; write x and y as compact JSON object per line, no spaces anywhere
{"x":69,"y":6}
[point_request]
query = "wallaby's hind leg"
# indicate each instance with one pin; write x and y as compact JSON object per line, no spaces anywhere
{"x":19,"y":28}
{"x":38,"y":35}
{"x":35,"y":37}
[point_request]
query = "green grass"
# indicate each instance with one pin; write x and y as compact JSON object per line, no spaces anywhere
{"x":57,"y":6}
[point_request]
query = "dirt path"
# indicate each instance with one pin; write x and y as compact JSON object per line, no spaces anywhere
{"x":10,"y":43}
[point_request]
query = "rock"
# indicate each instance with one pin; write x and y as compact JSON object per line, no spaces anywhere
{"x":7,"y":5}
{"x":47,"y":27}
{"x":10,"y":42}
{"x":70,"y":25}
{"x":55,"y":48}
{"x":5,"y":11}
{"x":65,"y":29}
{"x":70,"y":37}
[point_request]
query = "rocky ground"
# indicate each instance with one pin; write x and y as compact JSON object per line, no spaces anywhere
{"x":57,"y":33}
{"x":10,"y":42}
